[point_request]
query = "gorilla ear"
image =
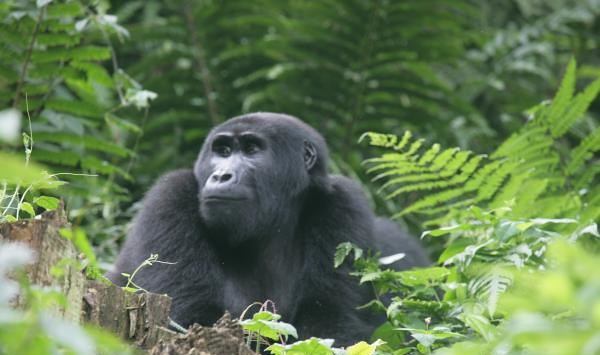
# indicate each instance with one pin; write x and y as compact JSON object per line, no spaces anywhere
{"x":310,"y":155}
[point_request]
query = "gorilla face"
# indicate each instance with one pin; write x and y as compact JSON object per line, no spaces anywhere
{"x":230,"y":190}
{"x":250,"y":170}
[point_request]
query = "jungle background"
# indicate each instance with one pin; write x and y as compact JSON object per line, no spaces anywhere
{"x":108,"y":95}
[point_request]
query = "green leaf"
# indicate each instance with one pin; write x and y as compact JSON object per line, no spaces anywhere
{"x":361,"y":348}
{"x":46,"y":202}
{"x":312,"y":346}
{"x":564,"y":94}
{"x":119,"y":122}
{"x":423,"y":276}
{"x":8,"y":218}
{"x":343,"y":250}
{"x":480,"y":324}
{"x":266,"y":315}
{"x":27,"y":207}
{"x":268,"y":328}
{"x":86,"y":141}
{"x":80,"y":240}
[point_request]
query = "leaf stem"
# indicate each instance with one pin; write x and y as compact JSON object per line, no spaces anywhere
{"x":200,"y":63}
{"x":26,"y":61}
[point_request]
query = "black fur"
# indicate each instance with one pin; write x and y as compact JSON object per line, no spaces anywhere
{"x":276,"y":242}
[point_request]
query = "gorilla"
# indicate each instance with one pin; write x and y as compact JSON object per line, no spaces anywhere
{"x":259,"y":217}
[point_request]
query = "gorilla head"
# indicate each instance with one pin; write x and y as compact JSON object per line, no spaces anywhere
{"x":252,"y":171}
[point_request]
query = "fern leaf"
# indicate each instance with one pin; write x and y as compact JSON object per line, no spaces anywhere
{"x":102,"y":166}
{"x":404,"y":169}
{"x":584,"y":151}
{"x":56,"y":9}
{"x":455,"y":164}
{"x":586,"y":179}
{"x":519,"y":141}
{"x":86,"y":141}
{"x":119,"y":122}
{"x":563,"y":96}
{"x":83,"y":53}
{"x":578,"y":107}
{"x":63,"y":157}
{"x":77,"y":108}
{"x":443,"y":159}
{"x":511,"y":189}
{"x":58,"y":39}
{"x":527,"y":198}
{"x":494,"y":181}
{"x":429,"y":155}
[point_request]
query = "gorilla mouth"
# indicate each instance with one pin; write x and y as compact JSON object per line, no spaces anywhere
{"x":212,"y":198}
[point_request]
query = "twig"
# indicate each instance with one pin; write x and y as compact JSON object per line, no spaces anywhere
{"x":21,"y":82}
{"x":366,"y":47}
{"x":137,"y":141}
{"x":200,"y":63}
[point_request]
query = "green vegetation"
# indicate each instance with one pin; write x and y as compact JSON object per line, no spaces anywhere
{"x":97,"y":98}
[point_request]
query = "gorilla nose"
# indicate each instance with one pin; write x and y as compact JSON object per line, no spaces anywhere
{"x":221,"y":177}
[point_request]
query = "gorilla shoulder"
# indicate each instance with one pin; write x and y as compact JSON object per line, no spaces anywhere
{"x":175,"y":187}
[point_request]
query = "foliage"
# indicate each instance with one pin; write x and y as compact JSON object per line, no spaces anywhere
{"x":528,"y":44}
{"x":34,"y":329}
{"x":552,"y":311}
{"x":80,"y":113}
{"x":487,"y":256}
{"x":265,"y":324}
{"x":342,"y":66}
{"x":534,"y":167}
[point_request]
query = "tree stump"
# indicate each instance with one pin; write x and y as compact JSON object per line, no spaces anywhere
{"x":42,"y":236}
{"x":225,"y":337}
{"x":141,"y":318}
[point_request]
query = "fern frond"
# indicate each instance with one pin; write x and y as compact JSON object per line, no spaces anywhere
{"x":82,"y":53}
{"x":577,"y":108}
{"x":562,"y":98}
{"x":525,"y":169}
{"x":76,"y":108}
{"x":584,"y":151}
{"x":86,"y":141}
{"x":489,"y":287}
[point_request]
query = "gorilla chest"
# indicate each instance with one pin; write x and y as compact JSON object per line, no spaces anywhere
{"x":240,"y":290}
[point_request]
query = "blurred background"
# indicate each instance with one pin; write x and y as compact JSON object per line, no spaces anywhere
{"x":460,"y":73}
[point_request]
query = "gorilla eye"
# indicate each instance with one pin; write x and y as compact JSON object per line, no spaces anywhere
{"x":251,"y":148}
{"x":222,"y":150}
{"x":251,"y":144}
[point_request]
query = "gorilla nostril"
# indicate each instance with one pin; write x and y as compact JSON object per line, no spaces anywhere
{"x":226,"y":177}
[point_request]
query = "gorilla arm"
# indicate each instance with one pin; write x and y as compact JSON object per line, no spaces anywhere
{"x":169,"y":225}
{"x":331,"y":295}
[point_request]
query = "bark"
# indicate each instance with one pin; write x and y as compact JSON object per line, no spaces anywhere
{"x":51,"y":249}
{"x":141,"y":318}
{"x":226,"y":337}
